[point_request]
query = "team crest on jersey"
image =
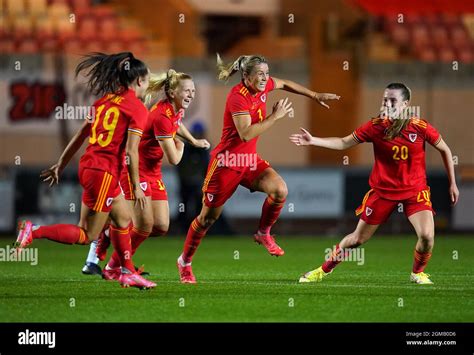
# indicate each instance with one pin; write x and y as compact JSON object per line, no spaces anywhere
{"x":210,"y":197}
{"x":144,"y":186}
{"x":368,"y":211}
{"x":412,"y":137}
{"x":109,"y":201}
{"x":263,"y":97}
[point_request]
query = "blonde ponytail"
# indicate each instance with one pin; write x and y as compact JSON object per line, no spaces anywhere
{"x":244,"y":64}
{"x":167,"y":81}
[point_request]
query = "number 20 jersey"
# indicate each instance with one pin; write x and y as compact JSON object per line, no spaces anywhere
{"x":399,"y":170}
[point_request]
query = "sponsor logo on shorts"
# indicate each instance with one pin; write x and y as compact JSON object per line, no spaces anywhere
{"x":210,"y":197}
{"x":109,"y":201}
{"x":368,"y":211}
{"x":412,"y":137}
{"x":144,"y":186}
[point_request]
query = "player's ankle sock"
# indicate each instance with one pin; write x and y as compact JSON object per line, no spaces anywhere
{"x":270,"y":211}
{"x":120,"y":238}
{"x":61,"y":233}
{"x":195,"y":234}
{"x":138,"y":237}
{"x":157,"y":232}
{"x":420,"y":261}
{"x":92,"y":256}
{"x":336,"y":257}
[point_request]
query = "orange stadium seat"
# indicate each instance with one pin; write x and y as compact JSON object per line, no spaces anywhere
{"x":426,"y":54}
{"x":87,"y":29}
{"x":420,"y":35}
{"x":37,"y":7}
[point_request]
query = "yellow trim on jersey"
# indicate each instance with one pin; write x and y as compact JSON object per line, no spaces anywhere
{"x":244,"y":91}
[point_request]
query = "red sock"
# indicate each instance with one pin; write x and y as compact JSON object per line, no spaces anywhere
{"x":120,"y":238}
{"x":137,"y":237}
{"x":195,"y":234}
{"x":420,"y":261}
{"x":270,"y":211}
{"x":335,"y":258}
{"x":61,"y":233}
{"x":157,"y":232}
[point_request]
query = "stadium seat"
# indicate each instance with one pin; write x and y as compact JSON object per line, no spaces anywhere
{"x":446,"y":54}
{"x":7,"y":45}
{"x":109,"y":29}
{"x":420,"y":35}
{"x":87,"y":29}
{"x":426,"y":54}
{"x":73,"y":46}
{"x":466,"y":54}
{"x":37,"y":7}
{"x":459,"y":37}
{"x":440,"y":36}
{"x":400,"y":34}
{"x":14,"y":8}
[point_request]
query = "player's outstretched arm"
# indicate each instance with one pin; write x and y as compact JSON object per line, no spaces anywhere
{"x":173,"y":149}
{"x":291,"y":86}
{"x":51,"y":175}
{"x":336,"y":143}
{"x":184,"y":133}
{"x":248,"y":131}
{"x":447,"y":156}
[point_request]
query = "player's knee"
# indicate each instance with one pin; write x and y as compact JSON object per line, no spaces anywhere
{"x":160,"y":229}
{"x":426,"y":234}
{"x":207,"y":221}
{"x":280,"y":192}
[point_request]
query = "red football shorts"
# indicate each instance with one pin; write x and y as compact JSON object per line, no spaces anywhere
{"x":99,"y":189}
{"x":151,"y":186}
{"x":221,"y":181}
{"x":376,"y":210}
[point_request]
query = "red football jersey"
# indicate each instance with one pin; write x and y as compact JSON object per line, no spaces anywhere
{"x":241,"y":102}
{"x":115,"y":117}
{"x":399,"y":170}
{"x":163,"y":123}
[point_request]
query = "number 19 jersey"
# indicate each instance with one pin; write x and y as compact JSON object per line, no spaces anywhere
{"x":115,"y":117}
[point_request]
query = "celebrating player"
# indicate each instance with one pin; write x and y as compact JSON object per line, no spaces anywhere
{"x":164,"y":123}
{"x":114,"y":131}
{"x":398,"y":176}
{"x":235,"y":161}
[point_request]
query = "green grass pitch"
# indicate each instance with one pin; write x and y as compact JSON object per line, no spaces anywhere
{"x":254,"y":287}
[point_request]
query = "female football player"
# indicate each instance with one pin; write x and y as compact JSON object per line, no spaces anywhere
{"x":235,"y":161}
{"x":164,"y":123}
{"x":398,"y":176}
{"x":115,"y":129}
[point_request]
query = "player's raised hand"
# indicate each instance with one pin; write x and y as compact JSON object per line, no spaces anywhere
{"x":321,"y":97}
{"x":51,"y":175}
{"x":303,"y":138}
{"x":454,"y":194}
{"x":282,"y":108}
{"x":202,"y":143}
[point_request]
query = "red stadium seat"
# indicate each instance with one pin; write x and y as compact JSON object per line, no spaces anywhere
{"x":400,"y":34}
{"x":420,"y":35}
{"x":73,"y":46}
{"x":87,"y":29}
{"x":109,"y":29}
{"x":446,"y":54}
{"x":459,"y":37}
{"x":466,"y":54}
{"x":440,"y":36}
{"x":7,"y":45}
{"x":426,"y":54}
